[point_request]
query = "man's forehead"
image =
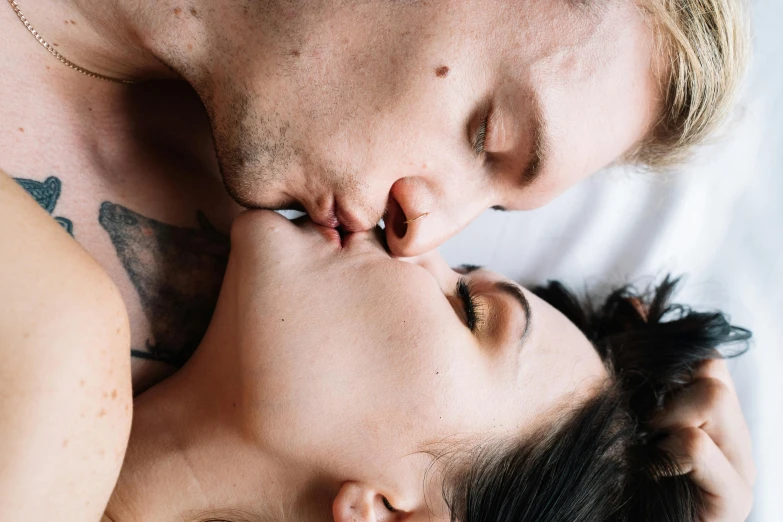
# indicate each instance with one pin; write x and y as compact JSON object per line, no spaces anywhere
{"x":565,"y":26}
{"x":594,"y":6}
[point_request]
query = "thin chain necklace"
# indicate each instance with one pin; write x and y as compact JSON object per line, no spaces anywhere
{"x":59,"y":56}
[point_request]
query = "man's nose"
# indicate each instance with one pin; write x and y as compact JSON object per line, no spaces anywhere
{"x":417,"y":221}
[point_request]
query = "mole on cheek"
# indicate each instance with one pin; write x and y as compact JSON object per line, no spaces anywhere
{"x":442,"y":71}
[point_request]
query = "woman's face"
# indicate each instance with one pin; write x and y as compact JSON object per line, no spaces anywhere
{"x":360,"y":361}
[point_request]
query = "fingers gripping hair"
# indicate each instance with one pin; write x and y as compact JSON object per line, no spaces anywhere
{"x":603,"y":461}
{"x":652,"y":346}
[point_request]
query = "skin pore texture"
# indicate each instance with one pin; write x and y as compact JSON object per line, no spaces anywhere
{"x":323,"y":399}
{"x":538,"y":95}
{"x":346,"y":109}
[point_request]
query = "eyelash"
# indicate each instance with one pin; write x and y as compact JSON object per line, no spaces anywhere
{"x":388,"y":505}
{"x":473,"y":312}
{"x":480,"y":136}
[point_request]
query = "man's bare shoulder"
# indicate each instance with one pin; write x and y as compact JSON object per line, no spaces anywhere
{"x":140,"y":192}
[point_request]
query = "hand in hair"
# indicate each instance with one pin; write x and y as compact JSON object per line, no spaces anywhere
{"x":664,"y":441}
{"x":711,"y":442}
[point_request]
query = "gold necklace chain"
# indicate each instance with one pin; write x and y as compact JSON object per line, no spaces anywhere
{"x":59,"y":56}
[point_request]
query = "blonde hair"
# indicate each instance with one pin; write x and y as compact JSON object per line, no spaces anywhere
{"x":704,"y":45}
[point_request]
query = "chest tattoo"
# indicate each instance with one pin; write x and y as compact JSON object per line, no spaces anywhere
{"x":177,"y":273}
{"x":46,"y":193}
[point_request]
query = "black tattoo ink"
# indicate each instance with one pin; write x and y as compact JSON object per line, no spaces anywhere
{"x":46,"y":193}
{"x":177,"y":273}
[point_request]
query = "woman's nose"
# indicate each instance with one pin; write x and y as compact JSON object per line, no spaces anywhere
{"x":434,"y":263}
{"x":417,"y":222}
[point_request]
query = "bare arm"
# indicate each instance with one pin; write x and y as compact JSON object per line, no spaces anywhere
{"x":65,"y":385}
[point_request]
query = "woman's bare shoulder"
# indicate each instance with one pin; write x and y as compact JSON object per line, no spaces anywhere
{"x":65,"y":396}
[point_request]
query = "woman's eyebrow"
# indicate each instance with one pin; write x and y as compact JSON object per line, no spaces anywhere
{"x":515,"y":291}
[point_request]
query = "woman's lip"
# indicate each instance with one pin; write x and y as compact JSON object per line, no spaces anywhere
{"x":330,"y":233}
{"x":349,"y":240}
{"x":376,"y":236}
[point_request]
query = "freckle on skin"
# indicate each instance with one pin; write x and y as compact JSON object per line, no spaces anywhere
{"x":81,"y":383}
{"x":73,"y":22}
{"x":114,"y":394}
{"x":193,"y":11}
{"x":65,"y":443}
{"x":295,"y":53}
{"x":177,"y":11}
{"x":442,"y":71}
{"x":102,"y":413}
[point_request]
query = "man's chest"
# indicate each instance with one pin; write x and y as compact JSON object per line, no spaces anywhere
{"x":145,"y":200}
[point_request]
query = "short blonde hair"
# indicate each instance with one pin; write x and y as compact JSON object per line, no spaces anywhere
{"x":705,"y":46}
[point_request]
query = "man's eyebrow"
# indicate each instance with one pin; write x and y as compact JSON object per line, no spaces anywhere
{"x":540,"y":148}
{"x":515,"y":291}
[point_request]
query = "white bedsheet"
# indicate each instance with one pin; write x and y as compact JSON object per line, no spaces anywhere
{"x":718,"y":220}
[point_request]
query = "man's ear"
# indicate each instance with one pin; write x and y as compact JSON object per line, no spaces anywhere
{"x":358,"y":502}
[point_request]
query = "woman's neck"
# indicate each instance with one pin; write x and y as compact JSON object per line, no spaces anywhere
{"x":186,"y":459}
{"x":155,"y":465}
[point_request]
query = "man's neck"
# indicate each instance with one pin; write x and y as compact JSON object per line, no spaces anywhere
{"x":108,"y":37}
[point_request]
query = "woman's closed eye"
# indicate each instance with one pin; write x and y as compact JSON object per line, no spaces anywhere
{"x":474,"y":313}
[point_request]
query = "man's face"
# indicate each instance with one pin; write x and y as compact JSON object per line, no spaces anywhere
{"x":356,"y":110}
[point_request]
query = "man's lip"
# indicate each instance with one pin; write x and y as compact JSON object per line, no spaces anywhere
{"x":335,"y":216}
{"x":325,"y":218}
{"x":349,"y":222}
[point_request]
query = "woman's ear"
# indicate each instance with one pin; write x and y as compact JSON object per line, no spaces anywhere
{"x":359,"y":502}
